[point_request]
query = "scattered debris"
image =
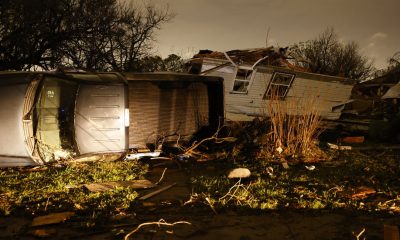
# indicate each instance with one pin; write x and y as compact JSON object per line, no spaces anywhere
{"x":162,"y":176}
{"x":310,"y":168}
{"x":358,"y":139}
{"x":149,"y":204}
{"x":285,"y":165}
{"x":183,"y":157}
{"x":359,"y":193}
{"x":108,"y":157}
{"x":338,"y":147}
{"x":208,"y":200}
{"x":35,"y":169}
{"x":362,"y":192}
{"x":137,"y":156}
{"x":161,"y":222}
{"x":279,"y":150}
{"x":160,"y":158}
{"x":239,"y":194}
{"x":106,"y":186}
{"x":270,"y":171}
{"x":391,"y":232}
{"x":239,"y":173}
{"x":359,"y":235}
{"x":147,"y":196}
{"x":370,"y":147}
{"x":51,"y":218}
{"x":43,"y":233}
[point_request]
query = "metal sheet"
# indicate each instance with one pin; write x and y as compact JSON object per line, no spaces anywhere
{"x":100,"y":118}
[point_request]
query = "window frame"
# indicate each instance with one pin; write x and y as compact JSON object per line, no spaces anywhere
{"x":272,"y":83}
{"x":249,"y":80}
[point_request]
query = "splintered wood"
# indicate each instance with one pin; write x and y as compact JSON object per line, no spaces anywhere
{"x":106,"y":186}
{"x":51,"y":218}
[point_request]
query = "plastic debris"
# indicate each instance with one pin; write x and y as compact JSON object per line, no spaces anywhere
{"x":311,"y":167}
{"x":269,"y":171}
{"x":279,"y":150}
{"x":137,"y":156}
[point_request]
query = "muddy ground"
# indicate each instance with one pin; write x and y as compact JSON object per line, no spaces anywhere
{"x":241,"y":224}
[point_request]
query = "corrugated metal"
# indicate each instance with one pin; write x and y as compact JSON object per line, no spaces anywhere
{"x":99,"y":118}
{"x":157,"y":111}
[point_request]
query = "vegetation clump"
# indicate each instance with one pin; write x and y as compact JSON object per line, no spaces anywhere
{"x":58,"y":188}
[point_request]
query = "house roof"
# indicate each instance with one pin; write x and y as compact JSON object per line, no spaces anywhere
{"x":270,"y":56}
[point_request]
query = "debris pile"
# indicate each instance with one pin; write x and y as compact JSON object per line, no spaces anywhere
{"x":271,"y":56}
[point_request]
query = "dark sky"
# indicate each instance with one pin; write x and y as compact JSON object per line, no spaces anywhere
{"x":237,"y":24}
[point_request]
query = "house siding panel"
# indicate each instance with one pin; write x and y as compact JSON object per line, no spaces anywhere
{"x":305,"y":94}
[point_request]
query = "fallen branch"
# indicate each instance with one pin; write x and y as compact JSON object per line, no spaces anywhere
{"x":191,"y":151}
{"x":162,"y":176}
{"x":161,"y":222}
{"x":211,"y":205}
{"x":359,"y":235}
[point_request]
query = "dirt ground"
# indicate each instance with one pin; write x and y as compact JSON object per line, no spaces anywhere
{"x":204,"y":223}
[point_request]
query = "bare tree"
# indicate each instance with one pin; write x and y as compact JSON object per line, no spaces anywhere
{"x":327,"y":55}
{"x":394,"y":62}
{"x":172,"y":63}
{"x":90,"y":34}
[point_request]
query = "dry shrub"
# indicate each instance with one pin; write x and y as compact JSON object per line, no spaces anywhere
{"x":294,"y":126}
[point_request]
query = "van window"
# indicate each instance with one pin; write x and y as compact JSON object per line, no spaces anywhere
{"x":54,"y":119}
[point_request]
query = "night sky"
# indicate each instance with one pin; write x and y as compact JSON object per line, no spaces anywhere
{"x":237,"y":24}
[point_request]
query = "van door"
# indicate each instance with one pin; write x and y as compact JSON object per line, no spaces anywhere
{"x":101,"y":118}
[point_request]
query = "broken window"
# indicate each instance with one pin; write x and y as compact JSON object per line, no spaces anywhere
{"x":54,"y":117}
{"x":279,"y":85}
{"x":242,"y":80}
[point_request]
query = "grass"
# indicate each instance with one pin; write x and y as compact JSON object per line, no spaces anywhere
{"x":56,"y":188}
{"x":329,"y":187}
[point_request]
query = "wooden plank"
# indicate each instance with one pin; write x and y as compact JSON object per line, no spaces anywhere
{"x":51,"y":218}
{"x":106,"y":186}
{"x":147,"y":196}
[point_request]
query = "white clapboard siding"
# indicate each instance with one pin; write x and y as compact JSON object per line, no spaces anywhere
{"x":304,"y":96}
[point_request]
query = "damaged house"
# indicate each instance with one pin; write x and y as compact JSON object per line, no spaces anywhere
{"x":47,"y":116}
{"x":376,"y":105}
{"x":254,"y":77}
{"x":376,"y":98}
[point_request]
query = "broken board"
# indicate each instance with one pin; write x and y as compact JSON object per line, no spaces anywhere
{"x":106,"y":186}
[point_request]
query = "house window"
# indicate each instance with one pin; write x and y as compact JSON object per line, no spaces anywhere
{"x":242,"y":80}
{"x":279,"y":85}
